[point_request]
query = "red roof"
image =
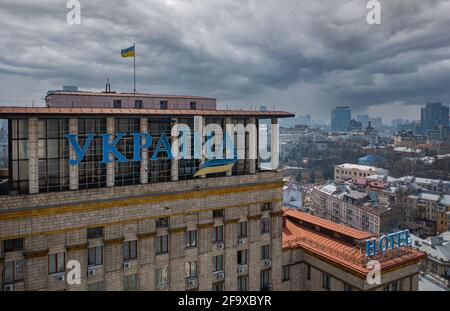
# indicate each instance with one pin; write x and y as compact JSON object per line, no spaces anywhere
{"x":332,"y":248}
{"x":9,"y":111}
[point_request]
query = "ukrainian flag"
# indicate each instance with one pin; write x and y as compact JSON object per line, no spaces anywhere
{"x":129,"y":52}
{"x":215,"y":166}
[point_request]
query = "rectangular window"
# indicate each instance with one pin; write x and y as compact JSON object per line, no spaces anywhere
{"x":326,"y":280}
{"x":130,"y":282}
{"x":218,"y":213}
{"x":217,"y":263}
{"x":190,"y":238}
{"x":286,"y":273}
{"x":347,"y":287}
{"x":117,"y":103}
{"x":94,"y":233}
{"x":129,"y":250}
{"x":265,"y":225}
{"x":265,"y":279}
{"x":126,"y":173}
{"x":193,"y":106}
{"x":242,"y":230}
{"x":95,"y":256}
{"x":13,"y":245}
{"x":191,"y":269}
{"x":162,"y":222}
{"x":266,"y":206}
{"x":56,"y":263}
{"x":18,"y":162}
{"x":219,"y":287}
{"x":242,"y":283}
{"x":218,"y":234}
{"x":138,"y":104}
{"x":163,"y":104}
{"x":13,"y":272}
{"x":162,"y":244}
{"x":96,"y":287}
{"x":161,"y":277}
{"x":308,"y":272}
{"x":265,"y":252}
{"x":242,"y":257}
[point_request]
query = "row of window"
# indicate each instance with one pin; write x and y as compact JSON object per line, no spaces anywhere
{"x":163,"y":104}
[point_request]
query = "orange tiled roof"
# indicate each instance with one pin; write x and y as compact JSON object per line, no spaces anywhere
{"x":341,"y":229}
{"x":350,"y":257}
{"x":8,"y":111}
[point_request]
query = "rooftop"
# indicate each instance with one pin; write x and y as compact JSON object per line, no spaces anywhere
{"x":18,"y":111}
{"x":337,"y":243}
{"x":120,"y":94}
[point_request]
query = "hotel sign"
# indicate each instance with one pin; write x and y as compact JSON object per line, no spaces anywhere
{"x":387,"y":242}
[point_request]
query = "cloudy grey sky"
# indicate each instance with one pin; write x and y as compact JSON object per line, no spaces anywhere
{"x":300,"y":56}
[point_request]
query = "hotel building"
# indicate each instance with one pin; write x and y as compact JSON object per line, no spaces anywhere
{"x":319,"y":255}
{"x":136,"y":225}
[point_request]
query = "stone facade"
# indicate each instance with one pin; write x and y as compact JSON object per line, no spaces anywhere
{"x":58,"y":223}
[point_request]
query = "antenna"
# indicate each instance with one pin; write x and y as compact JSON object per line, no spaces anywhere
{"x":108,"y":86}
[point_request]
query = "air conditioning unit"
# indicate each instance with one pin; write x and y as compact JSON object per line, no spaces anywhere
{"x":268,"y":263}
{"x":241,"y":269}
{"x":126,"y":265}
{"x":8,"y":288}
{"x":61,"y":278}
{"x":220,"y":245}
{"x":241,"y":241}
{"x":220,"y":275}
{"x":190,"y":281}
{"x":91,"y":271}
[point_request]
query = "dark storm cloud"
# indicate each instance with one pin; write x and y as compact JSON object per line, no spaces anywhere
{"x":304,"y":56}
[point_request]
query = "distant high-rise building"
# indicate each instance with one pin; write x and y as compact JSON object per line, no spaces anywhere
{"x":376,"y":122}
{"x":364,"y":119}
{"x":340,"y":118}
{"x":434,"y":114}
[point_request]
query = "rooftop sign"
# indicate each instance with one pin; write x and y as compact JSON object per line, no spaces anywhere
{"x":386,"y":242}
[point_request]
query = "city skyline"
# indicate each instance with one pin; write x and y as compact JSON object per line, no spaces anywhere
{"x":385,"y":70}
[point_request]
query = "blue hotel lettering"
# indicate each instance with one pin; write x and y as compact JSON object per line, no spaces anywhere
{"x":163,"y":146}
{"x":391,"y":241}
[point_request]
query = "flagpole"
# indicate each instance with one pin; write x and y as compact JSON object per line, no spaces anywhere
{"x":134,"y":66}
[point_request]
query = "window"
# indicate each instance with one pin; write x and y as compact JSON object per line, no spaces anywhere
{"x":95,"y":256}
{"x":96,"y":287}
{"x":162,"y":244}
{"x":326,"y":280}
{"x":129,"y":250}
{"x":130,"y":282}
{"x":219,"y":287}
{"x":193,"y":106}
{"x":191,"y":269}
{"x":265,"y":252}
{"x":18,"y":161}
{"x":13,"y":272}
{"x":94,"y":233}
{"x":286,"y":273}
{"x":161,"y":277}
{"x":127,"y":173}
{"x":265,"y":279}
{"x":242,"y":257}
{"x":308,"y":272}
{"x":242,"y":283}
{"x":218,"y":263}
{"x":56,"y":263}
{"x":162,"y":222}
{"x":242,"y":230}
{"x":138,"y":104}
{"x":163,"y":104}
{"x":266,"y":206}
{"x":218,"y":213}
{"x":190,"y":238}
{"x":218,"y":234}
{"x":117,"y":103}
{"x":13,"y":245}
{"x":265,"y":225}
{"x":348,"y":287}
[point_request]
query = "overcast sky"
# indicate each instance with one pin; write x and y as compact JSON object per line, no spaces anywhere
{"x":299,"y":56}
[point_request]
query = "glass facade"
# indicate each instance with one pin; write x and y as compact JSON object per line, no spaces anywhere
{"x":53,"y":150}
{"x":53,"y":153}
{"x":91,"y":172}
{"x":18,"y":163}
